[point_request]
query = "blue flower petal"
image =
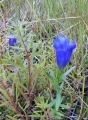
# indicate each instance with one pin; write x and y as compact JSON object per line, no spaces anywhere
{"x":16,"y":50}
{"x":60,"y":42}
{"x":60,"y":58}
{"x":12,"y":41}
{"x":72,"y":45}
{"x":63,"y":57}
{"x":72,"y":42}
{"x":71,"y":48}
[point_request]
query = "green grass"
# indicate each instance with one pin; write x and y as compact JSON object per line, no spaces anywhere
{"x":41,"y":22}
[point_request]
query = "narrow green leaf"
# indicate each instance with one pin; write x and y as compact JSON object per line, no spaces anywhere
{"x":64,"y":106}
{"x":4,"y":103}
{"x":48,"y":75}
{"x":60,"y":114}
{"x":51,"y":103}
{"x":11,"y":118}
{"x":36,"y":116}
{"x":58,"y":100}
{"x":67,"y":72}
{"x":52,"y":73}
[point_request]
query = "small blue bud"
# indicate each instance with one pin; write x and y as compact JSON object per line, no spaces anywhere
{"x":64,"y":50}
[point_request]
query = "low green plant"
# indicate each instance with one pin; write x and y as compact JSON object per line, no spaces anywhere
{"x":30,"y":83}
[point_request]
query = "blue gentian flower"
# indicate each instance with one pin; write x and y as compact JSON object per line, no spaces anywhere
{"x":64,"y":50}
{"x":12,"y":41}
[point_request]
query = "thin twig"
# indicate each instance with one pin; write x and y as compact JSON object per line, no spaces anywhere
{"x":29,"y":71}
{"x":52,"y":19}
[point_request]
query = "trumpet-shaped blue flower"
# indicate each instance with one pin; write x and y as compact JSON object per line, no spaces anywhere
{"x":63,"y":50}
